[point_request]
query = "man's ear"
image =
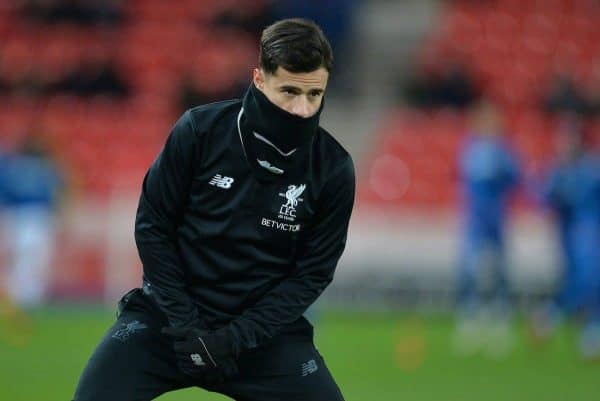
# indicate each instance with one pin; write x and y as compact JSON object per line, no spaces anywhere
{"x":258,"y":78}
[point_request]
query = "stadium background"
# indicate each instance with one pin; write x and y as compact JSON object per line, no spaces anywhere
{"x":384,"y":325}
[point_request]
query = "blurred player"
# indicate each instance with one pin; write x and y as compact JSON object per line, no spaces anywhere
{"x":560,"y":194}
{"x":587,"y":253}
{"x":241,"y":221}
{"x":489,"y":174}
{"x":31,"y":185}
{"x":573,"y":192}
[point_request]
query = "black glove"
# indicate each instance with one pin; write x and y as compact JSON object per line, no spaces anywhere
{"x":204,"y":354}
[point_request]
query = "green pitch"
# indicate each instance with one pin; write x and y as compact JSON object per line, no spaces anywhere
{"x":381,"y":357}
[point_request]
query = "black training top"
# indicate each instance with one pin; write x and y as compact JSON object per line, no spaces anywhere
{"x":224,"y":240}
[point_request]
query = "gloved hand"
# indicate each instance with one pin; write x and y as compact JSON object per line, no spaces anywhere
{"x":204,"y":354}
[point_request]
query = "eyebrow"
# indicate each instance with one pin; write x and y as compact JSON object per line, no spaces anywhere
{"x":296,"y":89}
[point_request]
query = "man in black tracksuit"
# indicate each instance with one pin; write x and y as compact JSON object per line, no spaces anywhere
{"x":241,"y":221}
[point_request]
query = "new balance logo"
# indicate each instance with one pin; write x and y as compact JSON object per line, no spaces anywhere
{"x":309,"y":367}
{"x":221,"y":181}
{"x":197,"y":359}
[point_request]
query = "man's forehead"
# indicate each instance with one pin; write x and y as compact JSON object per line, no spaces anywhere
{"x":317,"y":78}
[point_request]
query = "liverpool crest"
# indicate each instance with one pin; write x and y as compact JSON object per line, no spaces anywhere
{"x":287,"y":211}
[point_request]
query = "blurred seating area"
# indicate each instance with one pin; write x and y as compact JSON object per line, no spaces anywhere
{"x":102,"y":81}
{"x":536,"y":60}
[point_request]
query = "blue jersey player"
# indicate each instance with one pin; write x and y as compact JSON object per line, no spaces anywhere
{"x":489,"y":173}
{"x":572,"y":191}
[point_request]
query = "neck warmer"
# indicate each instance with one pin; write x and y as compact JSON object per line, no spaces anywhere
{"x":274,"y":127}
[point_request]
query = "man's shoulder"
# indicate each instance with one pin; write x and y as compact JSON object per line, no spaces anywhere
{"x":332,"y":153}
{"x":207,"y":115}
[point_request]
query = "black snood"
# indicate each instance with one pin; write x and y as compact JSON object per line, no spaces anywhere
{"x":284,"y":130}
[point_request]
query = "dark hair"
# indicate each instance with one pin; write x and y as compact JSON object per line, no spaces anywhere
{"x":296,"y":44}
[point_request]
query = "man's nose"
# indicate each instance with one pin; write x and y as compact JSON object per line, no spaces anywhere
{"x":302,"y":107}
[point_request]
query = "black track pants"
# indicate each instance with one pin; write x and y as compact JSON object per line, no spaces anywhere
{"x":135,"y":362}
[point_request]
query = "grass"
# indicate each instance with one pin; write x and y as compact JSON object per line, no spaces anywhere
{"x":379,"y":357}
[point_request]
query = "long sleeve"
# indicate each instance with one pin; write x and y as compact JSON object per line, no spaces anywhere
{"x":314,"y":268}
{"x":165,"y":193}
{"x":550,"y":191}
{"x":512,"y":173}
